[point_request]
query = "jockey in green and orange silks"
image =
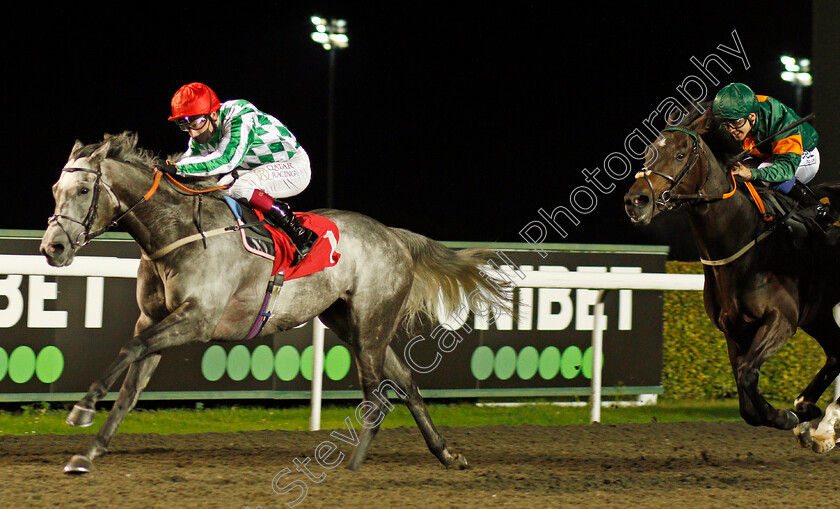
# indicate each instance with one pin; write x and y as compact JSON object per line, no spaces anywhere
{"x":791,"y":157}
{"x":788,"y":161}
{"x":254,"y":154}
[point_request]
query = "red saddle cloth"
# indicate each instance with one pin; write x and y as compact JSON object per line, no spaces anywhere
{"x":321,"y":256}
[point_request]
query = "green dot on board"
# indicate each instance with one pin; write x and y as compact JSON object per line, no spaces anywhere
{"x":337,"y":362}
{"x":571,"y":363}
{"x":21,"y":364}
{"x":306,"y":362}
{"x":49,"y":364}
{"x":505,"y":364}
{"x":4,"y":363}
{"x":238,"y":362}
{"x":481,"y":363}
{"x":213,"y":363}
{"x":586,"y":367}
{"x":287,"y":363}
{"x":527,"y":363}
{"x":549,"y":363}
{"x":262,"y":362}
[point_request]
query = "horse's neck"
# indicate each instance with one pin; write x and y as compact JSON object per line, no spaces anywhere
{"x":722,"y":227}
{"x":162,"y":219}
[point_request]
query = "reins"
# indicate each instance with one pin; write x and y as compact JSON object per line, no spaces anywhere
{"x":186,"y":189}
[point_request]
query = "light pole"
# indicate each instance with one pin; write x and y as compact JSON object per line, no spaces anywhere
{"x":331,"y":35}
{"x":797,"y":72}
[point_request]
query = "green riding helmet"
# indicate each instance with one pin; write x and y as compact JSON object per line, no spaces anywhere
{"x":734,"y":101}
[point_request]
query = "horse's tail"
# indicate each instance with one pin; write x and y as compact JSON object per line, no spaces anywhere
{"x":442,"y":276}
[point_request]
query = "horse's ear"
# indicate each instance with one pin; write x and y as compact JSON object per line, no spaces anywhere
{"x":100,"y":153}
{"x":702,"y":123}
{"x":76,"y":148}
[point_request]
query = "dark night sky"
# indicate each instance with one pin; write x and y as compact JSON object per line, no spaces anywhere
{"x":458,"y":123}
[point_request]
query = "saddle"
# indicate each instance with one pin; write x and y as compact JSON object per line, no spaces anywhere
{"x":255,"y":235}
{"x":268,"y":242}
{"x":265,"y":241}
{"x":800,"y":223}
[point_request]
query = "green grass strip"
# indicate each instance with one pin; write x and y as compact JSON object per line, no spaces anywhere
{"x":41,"y":419}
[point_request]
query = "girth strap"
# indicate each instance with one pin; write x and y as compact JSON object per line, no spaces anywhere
{"x":160,"y":253}
{"x":275,"y":284}
{"x":724,"y":261}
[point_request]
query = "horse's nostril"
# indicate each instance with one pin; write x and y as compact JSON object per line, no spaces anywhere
{"x":639,"y":200}
{"x":55,"y":249}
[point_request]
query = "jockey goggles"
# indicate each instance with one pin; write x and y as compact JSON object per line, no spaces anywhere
{"x":194,"y":122}
{"x":735,"y":124}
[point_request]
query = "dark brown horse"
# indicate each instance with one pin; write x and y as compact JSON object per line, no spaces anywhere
{"x":760,"y":287}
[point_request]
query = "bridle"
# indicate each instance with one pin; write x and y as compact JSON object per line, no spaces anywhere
{"x":670,"y":200}
{"x":85,"y":236}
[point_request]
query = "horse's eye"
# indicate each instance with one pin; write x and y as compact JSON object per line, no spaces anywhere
{"x":680,"y":156}
{"x":84,"y":190}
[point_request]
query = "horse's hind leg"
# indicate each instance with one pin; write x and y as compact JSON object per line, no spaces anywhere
{"x":136,"y":379}
{"x":369,"y":348}
{"x":370,"y":361}
{"x":397,"y":372}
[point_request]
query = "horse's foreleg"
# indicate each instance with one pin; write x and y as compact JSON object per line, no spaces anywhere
{"x":755,"y":409}
{"x":173,"y":330}
{"x":84,"y":411}
{"x":397,"y":371}
{"x":138,"y":376}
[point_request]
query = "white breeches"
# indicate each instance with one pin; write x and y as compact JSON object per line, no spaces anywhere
{"x":278,"y":180}
{"x":808,"y":165}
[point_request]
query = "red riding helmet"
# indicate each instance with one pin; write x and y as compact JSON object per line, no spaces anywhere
{"x":194,"y":99}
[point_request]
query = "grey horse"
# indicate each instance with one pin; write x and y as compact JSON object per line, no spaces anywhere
{"x":385,"y":280}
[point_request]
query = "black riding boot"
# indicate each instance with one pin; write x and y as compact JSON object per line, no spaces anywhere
{"x":823,"y":216}
{"x":281,"y":216}
{"x":803,"y":195}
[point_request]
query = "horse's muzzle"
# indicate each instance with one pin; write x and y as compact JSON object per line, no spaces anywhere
{"x":56,"y":248}
{"x":638,"y":204}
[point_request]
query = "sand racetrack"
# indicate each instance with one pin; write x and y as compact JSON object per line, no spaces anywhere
{"x":693,"y":465}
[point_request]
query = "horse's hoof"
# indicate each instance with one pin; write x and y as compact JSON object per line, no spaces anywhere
{"x":791,"y":420}
{"x":81,"y":417}
{"x":803,"y":435}
{"x":459,"y":463}
{"x":78,"y":465}
{"x":822,"y":443}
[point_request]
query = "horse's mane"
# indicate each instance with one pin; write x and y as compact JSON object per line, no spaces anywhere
{"x":122,"y":147}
